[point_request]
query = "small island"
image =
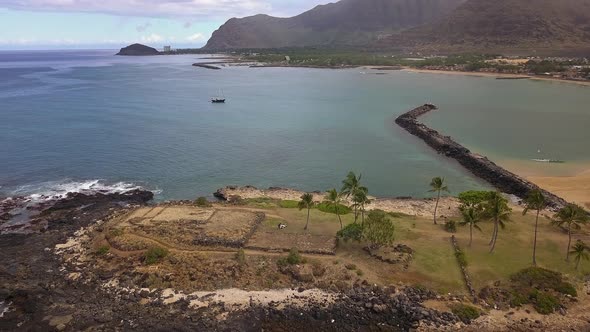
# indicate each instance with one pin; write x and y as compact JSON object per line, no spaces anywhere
{"x":138,"y":50}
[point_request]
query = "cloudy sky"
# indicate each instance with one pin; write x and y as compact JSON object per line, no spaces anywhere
{"x":61,"y":24}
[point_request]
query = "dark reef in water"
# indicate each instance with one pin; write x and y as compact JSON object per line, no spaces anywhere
{"x":480,"y":166}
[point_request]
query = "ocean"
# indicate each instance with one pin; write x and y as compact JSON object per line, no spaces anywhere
{"x":88,"y":120}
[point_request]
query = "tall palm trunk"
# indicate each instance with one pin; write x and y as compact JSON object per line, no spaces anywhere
{"x":362,"y":216}
{"x":470,"y":234}
{"x":569,"y":242}
{"x":436,"y":206}
{"x":339,"y":219}
{"x":307,"y":223}
{"x":577,"y":263}
{"x":355,"y":214}
{"x":494,"y":232}
{"x":495,"y":237}
{"x":535,"y":242}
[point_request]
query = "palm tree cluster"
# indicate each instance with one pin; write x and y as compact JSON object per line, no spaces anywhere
{"x":487,"y":206}
{"x":352,"y":190}
{"x":481,"y":206}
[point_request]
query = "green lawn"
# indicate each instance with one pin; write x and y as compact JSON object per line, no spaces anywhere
{"x":434,"y":264}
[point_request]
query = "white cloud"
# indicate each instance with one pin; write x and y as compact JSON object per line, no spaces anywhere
{"x":146,"y":8}
{"x":152,"y":38}
{"x":196,"y":37}
{"x":143,"y":27}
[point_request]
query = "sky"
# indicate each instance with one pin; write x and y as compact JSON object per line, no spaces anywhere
{"x":111,"y":24}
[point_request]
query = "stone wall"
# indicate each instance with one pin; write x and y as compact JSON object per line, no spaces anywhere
{"x":480,"y":166}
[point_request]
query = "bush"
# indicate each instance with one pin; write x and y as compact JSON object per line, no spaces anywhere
{"x":102,"y":250}
{"x":473,"y":197}
{"x":202,"y":202}
{"x":451,"y":226}
{"x":241,"y":257}
{"x":352,"y":232}
{"x":288,"y":204}
{"x":536,"y":277}
{"x":154,"y":255}
{"x":461,"y":258}
{"x":327,"y":208}
{"x":294,"y":257}
{"x":466,"y":313}
{"x":317,"y":269}
{"x":544,"y":303}
{"x":567,"y":289}
{"x":116,"y":232}
{"x":350,"y":266}
{"x":378,"y":230}
{"x":398,"y":215}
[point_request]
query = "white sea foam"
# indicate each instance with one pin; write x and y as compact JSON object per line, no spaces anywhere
{"x":54,"y":190}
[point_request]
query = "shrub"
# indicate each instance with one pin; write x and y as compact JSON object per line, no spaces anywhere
{"x":328,"y":208}
{"x":567,"y":289}
{"x":466,"y":313}
{"x":350,"y":266}
{"x":102,"y":250}
{"x":288,"y":204}
{"x":518,"y":299}
{"x":352,"y":232}
{"x":359,"y":273}
{"x":544,"y":303}
{"x":451,"y":226}
{"x":317,"y":269}
{"x":398,"y":215}
{"x":378,"y":230}
{"x":241,"y":257}
{"x":154,"y":255}
{"x":116,"y":232}
{"x":235,"y":200}
{"x":461,"y":258}
{"x":536,"y":277}
{"x":294,"y":257}
{"x":202,"y":202}
{"x":473,"y":197}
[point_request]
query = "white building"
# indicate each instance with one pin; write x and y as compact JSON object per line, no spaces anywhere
{"x":167,"y":48}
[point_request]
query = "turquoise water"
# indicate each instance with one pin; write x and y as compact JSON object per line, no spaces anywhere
{"x":69,"y":119}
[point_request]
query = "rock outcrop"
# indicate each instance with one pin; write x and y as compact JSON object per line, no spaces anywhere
{"x":138,"y":50}
{"x":480,"y":166}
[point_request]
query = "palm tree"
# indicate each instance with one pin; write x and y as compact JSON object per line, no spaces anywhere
{"x":306,"y":203}
{"x":572,"y":217}
{"x":438,"y":186}
{"x":496,"y":208}
{"x":333,"y":198}
{"x":350,"y":186}
{"x":361,"y":199}
{"x":471,"y":216}
{"x":535,"y":201}
{"x":579,"y":250}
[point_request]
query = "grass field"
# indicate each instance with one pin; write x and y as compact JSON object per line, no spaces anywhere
{"x":434,"y":263}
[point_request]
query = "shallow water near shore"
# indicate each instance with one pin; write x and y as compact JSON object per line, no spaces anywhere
{"x":72,"y":118}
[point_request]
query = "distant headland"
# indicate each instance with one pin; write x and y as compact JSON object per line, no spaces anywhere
{"x":138,"y":50}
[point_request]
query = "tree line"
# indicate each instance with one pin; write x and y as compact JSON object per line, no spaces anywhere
{"x":476,"y":207}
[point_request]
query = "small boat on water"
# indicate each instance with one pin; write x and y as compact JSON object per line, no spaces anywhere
{"x":553,"y":161}
{"x":544,"y":160}
{"x":218,"y":100}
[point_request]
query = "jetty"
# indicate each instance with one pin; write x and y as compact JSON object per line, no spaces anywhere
{"x":206,"y":65}
{"x":480,"y":166}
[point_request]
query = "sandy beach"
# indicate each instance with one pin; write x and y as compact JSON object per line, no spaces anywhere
{"x":570,"y":181}
{"x":497,"y":75}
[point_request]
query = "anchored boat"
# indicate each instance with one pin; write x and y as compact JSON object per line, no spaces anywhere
{"x":218,"y":100}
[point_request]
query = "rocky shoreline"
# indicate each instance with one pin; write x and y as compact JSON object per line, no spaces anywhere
{"x":448,"y":206}
{"x":41,"y":291}
{"x":480,"y":166}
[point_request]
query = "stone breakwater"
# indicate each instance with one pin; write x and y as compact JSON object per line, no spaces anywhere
{"x":480,"y":166}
